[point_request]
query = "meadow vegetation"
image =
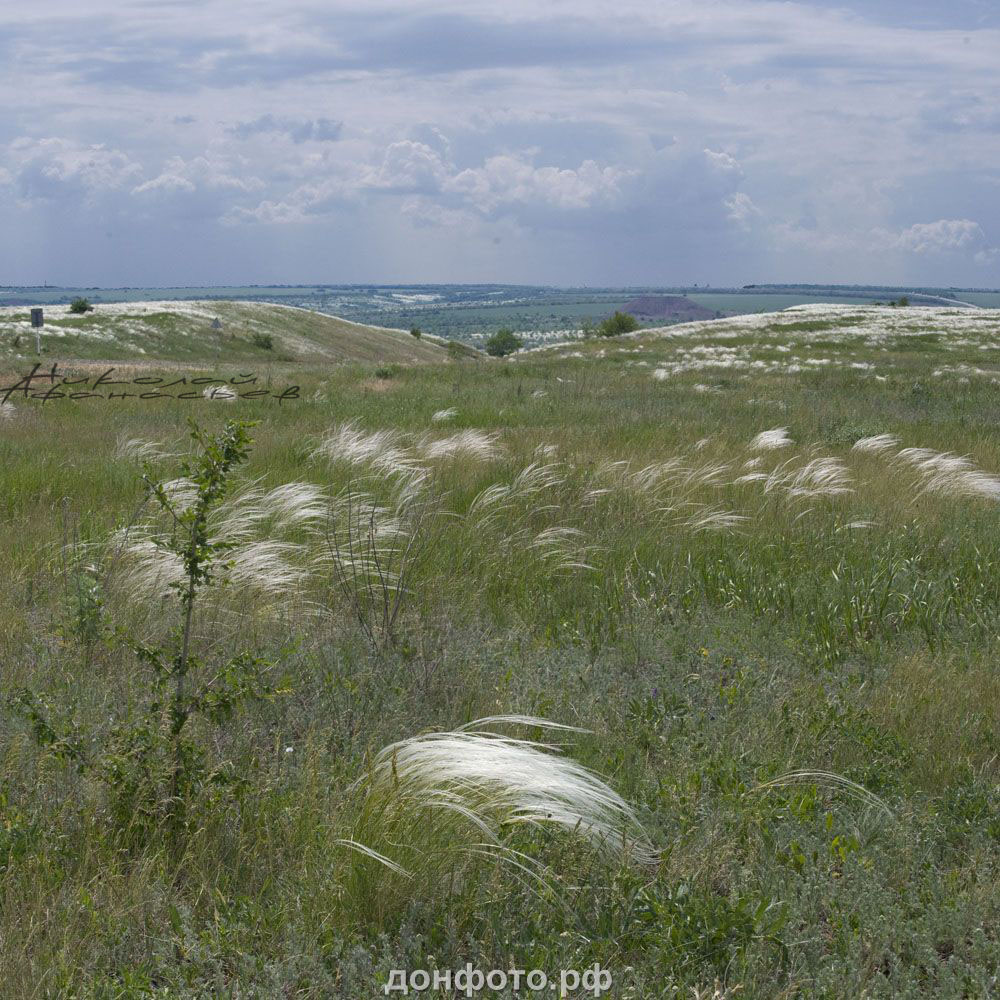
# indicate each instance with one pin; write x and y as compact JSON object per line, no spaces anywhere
{"x":675,"y":653}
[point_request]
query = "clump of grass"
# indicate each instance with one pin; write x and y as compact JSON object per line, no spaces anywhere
{"x":876,"y":443}
{"x":951,"y":475}
{"x":777,"y":437}
{"x":144,"y":566}
{"x":383,"y":450}
{"x":436,"y":806}
{"x":468,"y":444}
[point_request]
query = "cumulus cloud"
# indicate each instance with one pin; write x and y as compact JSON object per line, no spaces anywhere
{"x":943,"y":236}
{"x":741,"y":209}
{"x":54,"y":169}
{"x":409,"y":167}
{"x":510,"y":180}
{"x":200,"y":172}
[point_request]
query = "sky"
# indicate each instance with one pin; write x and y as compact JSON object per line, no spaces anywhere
{"x":561,"y":142}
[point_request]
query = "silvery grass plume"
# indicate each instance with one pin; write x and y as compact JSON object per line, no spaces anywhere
{"x":951,"y":475}
{"x":255,"y":559}
{"x":777,"y":437}
{"x":499,"y":498}
{"x":561,"y":548}
{"x":714,"y":519}
{"x":432,"y":806}
{"x":876,"y":443}
{"x":830,"y":780}
{"x":384,"y":451}
{"x":442,"y":416}
{"x":820,"y":477}
{"x":137,"y":448}
{"x":220,"y":392}
{"x":465,"y":444}
{"x":7,"y":411}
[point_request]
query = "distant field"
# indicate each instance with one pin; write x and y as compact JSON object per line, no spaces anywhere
{"x":470,"y":313}
{"x":750,"y":303}
{"x":753,"y":563}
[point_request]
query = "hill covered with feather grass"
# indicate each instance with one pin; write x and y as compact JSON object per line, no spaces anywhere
{"x":204,"y":332}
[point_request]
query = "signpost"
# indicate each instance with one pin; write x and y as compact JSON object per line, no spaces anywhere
{"x":37,"y":321}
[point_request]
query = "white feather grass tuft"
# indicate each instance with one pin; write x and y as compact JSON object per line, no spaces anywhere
{"x":562,"y":549}
{"x":777,"y":437}
{"x":256,"y":560}
{"x":714,"y":519}
{"x":7,"y":411}
{"x":220,"y":392}
{"x":137,"y":448}
{"x":385,"y":450}
{"x":442,"y":416}
{"x":820,"y":477}
{"x":465,"y":444}
{"x":950,"y":475}
{"x":482,"y":783}
{"x":876,"y":443}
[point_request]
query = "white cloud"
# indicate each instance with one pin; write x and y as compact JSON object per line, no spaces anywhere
{"x":410,"y":166}
{"x":209,"y":172}
{"x":741,"y":209}
{"x":52,"y":169}
{"x":513,"y":181}
{"x":945,"y":235}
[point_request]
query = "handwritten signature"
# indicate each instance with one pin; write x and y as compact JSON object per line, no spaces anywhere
{"x":52,"y":384}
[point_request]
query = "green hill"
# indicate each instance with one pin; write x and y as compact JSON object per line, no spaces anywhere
{"x":207,"y":331}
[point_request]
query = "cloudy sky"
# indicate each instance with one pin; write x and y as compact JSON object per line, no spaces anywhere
{"x":159,"y":142}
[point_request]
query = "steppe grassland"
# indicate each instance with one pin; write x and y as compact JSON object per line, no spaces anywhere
{"x":735,"y":570}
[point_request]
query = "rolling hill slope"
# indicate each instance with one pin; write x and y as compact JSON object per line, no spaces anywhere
{"x":207,"y":331}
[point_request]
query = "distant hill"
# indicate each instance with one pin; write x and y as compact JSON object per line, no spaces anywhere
{"x":676,"y":308}
{"x":208,"y":331}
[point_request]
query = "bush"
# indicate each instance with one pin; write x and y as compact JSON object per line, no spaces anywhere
{"x":503,"y":342}
{"x":415,"y":332}
{"x":263,"y":340}
{"x":619,"y":323}
{"x":80,"y":305}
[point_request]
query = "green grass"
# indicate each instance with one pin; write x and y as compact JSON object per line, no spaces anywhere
{"x":702,"y":663}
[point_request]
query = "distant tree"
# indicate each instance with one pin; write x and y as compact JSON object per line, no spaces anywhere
{"x":415,"y":332}
{"x":617,"y":324}
{"x":503,"y":342}
{"x":588,"y":327}
{"x":80,"y":305}
{"x":904,"y":300}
